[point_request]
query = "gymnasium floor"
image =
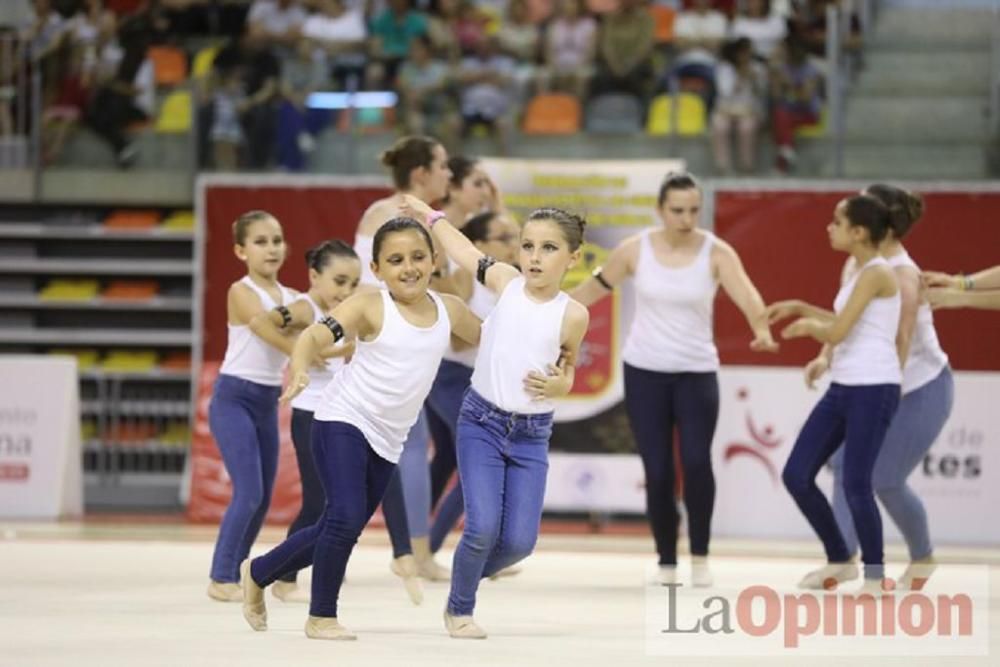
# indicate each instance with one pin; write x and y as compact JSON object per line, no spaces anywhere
{"x":100,"y":593}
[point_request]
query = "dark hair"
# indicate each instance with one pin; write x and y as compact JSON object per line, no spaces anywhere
{"x":243,"y":223}
{"x":394,"y":226}
{"x":676,"y":180}
{"x":570,"y":224}
{"x":407,"y":154}
{"x":731,"y":49}
{"x":868,"y":212}
{"x":319,"y":257}
{"x":461,"y":166}
{"x":905,"y":207}
{"x":477,"y":228}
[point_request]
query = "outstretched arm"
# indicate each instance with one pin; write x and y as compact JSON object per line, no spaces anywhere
{"x":987,"y":279}
{"x":871,"y":283}
{"x":741,"y":290}
{"x":619,"y":265}
{"x":458,"y":247}
{"x":951,"y":298}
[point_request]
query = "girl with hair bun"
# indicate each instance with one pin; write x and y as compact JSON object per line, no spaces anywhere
{"x":862,"y":398}
{"x":928,"y":394}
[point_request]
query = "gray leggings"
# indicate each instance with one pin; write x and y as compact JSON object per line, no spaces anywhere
{"x":921,"y":415}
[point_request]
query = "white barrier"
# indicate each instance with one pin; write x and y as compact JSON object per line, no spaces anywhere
{"x":41,"y":472}
{"x":761,"y":414}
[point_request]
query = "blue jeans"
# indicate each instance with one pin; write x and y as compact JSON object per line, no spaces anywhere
{"x":415,"y":477}
{"x":918,"y":422}
{"x":354,"y":478}
{"x":444,"y":402}
{"x":657,"y":402}
{"x":857,"y":416}
{"x":502,"y":462}
{"x":243,"y":418}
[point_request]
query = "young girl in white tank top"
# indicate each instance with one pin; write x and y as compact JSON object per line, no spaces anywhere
{"x":859,"y":405}
{"x":364,"y":414}
{"x":529,"y":342}
{"x":243,"y":412}
{"x":334,"y":271}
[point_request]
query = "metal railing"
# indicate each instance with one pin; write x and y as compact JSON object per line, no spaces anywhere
{"x":994,"y":99}
{"x":20,"y":99}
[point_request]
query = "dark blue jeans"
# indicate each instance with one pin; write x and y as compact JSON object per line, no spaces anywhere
{"x":857,"y":416}
{"x":312,"y":488}
{"x":354,"y":478}
{"x":243,"y":418}
{"x":656,"y":403}
{"x":444,"y":403}
{"x":502,"y":462}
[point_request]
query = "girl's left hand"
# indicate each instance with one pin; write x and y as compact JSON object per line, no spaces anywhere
{"x":799,"y":328}
{"x":944,"y":298}
{"x":763,"y":342}
{"x":552,"y":385}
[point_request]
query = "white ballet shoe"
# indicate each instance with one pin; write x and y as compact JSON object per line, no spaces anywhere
{"x":405,"y":567}
{"x":224,"y":592}
{"x":289,"y":591}
{"x":463,"y":627}
{"x":829,"y":576}
{"x":701,"y":574}
{"x":916,"y":574}
{"x":254,"y":607}
{"x":322,"y":627}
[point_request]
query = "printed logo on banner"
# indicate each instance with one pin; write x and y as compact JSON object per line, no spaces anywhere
{"x":16,"y":426}
{"x":948,"y":615}
{"x":956,"y":458}
{"x":761,"y":441}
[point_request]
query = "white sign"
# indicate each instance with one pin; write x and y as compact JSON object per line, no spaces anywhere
{"x":41,"y":472}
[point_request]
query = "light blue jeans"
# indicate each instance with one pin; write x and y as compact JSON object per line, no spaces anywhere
{"x":502,"y":463}
{"x":918,"y":422}
{"x":415,"y":476}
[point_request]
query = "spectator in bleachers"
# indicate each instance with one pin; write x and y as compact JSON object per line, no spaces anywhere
{"x":340,"y":34}
{"x":42,"y":40}
{"x":471,"y":27}
{"x":520,"y":39}
{"x":130,"y":95}
{"x":486,"y":82}
{"x":625,"y":46}
{"x":808,"y":23}
{"x":442,"y":29}
{"x":391,"y":34}
{"x":698,"y":34}
{"x":298,"y":124}
{"x":278,"y":23}
{"x":795,"y":99}
{"x":428,"y":107}
{"x":229,"y":102}
{"x":741,"y":84}
{"x":260,"y":72}
{"x":570,"y":50}
{"x":761,"y":25}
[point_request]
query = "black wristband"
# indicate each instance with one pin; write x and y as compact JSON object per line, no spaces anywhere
{"x":334,"y":326}
{"x":485,"y":262}
{"x":286,"y":316}
{"x":600,"y":278}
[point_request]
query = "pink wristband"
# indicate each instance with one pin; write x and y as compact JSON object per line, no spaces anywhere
{"x":434,"y":217}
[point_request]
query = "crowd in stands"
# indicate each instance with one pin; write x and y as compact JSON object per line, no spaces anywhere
{"x":458,"y":67}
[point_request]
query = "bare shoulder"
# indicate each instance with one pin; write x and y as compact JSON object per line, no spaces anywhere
{"x":452,"y":304}
{"x":377,"y":214}
{"x":722,"y":249}
{"x":577,"y":316}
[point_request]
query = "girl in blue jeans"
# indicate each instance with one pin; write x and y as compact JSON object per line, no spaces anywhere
{"x":243,"y":413}
{"x":928,"y":392}
{"x":505,"y":422}
{"x":334,"y":272}
{"x":859,"y":405}
{"x":364,"y":414}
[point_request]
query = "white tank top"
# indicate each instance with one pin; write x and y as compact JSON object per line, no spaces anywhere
{"x":672,"y":328}
{"x":248,"y":356}
{"x":318,"y":378}
{"x":926,"y":359}
{"x":868,"y":354}
{"x":364,"y":246}
{"x":481,"y":303}
{"x":519,"y":336}
{"x":382,"y":390}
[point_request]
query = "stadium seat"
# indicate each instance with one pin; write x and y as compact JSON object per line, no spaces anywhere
{"x":175,"y":113}
{"x":614,"y":113}
{"x":552,"y":114}
{"x":690,"y":115}
{"x":169,"y":65}
{"x":663,"y":20}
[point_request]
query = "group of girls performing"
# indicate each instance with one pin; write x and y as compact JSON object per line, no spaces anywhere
{"x":452,"y":322}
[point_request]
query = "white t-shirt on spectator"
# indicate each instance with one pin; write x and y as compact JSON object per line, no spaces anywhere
{"x":145,"y":83}
{"x":766,"y":34}
{"x":486,"y":99}
{"x":571,"y":43}
{"x":348,"y":27}
{"x":274,"y":19}
{"x":692,"y":25}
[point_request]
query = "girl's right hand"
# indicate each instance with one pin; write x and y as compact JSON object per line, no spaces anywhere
{"x":782,"y":310}
{"x":416,"y":209}
{"x":298,"y":384}
{"x":815,"y":370}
